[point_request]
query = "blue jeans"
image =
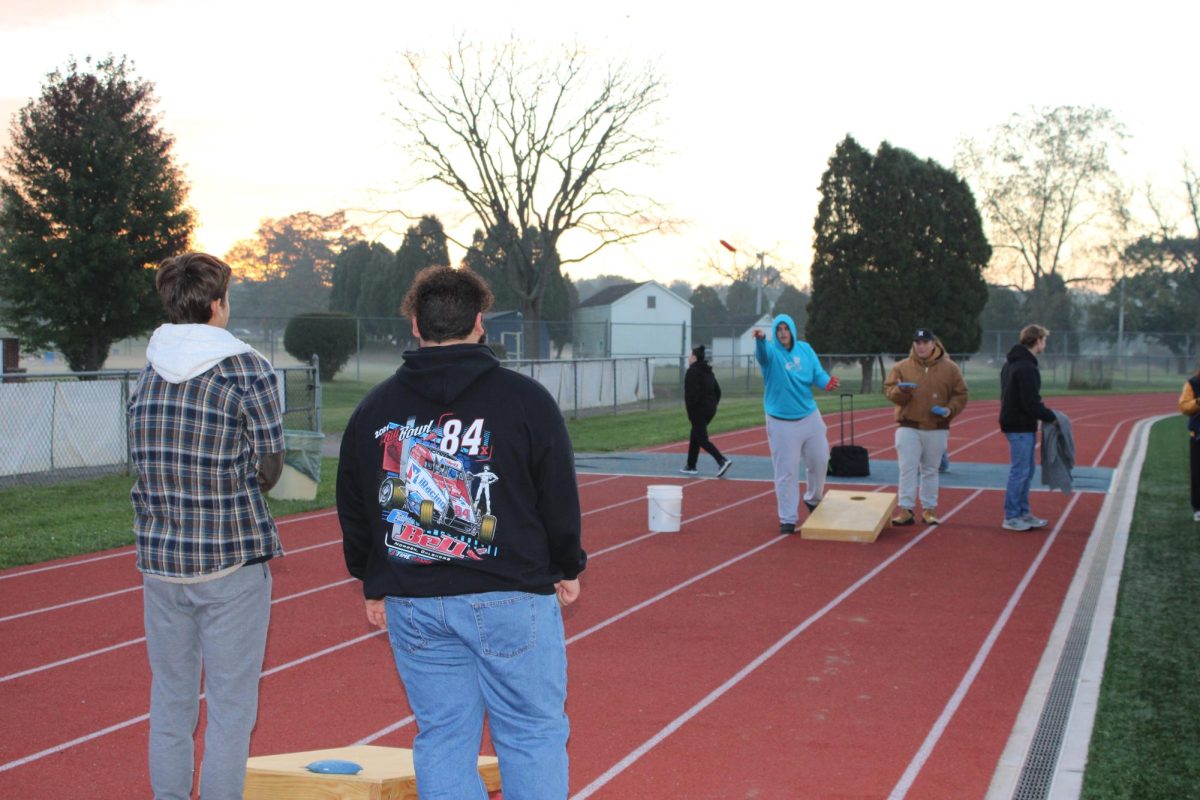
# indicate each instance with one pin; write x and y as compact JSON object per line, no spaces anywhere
{"x":1020,"y":474}
{"x":499,"y":652}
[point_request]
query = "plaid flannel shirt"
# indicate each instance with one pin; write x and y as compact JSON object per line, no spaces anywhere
{"x":196,"y":446}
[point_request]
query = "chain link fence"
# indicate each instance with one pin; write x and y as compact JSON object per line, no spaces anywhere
{"x":59,"y":426}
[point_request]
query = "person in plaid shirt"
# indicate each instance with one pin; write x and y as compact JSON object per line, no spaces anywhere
{"x":206,"y":439}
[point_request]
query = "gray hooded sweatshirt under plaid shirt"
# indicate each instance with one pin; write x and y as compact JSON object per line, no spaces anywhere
{"x":202,"y":414}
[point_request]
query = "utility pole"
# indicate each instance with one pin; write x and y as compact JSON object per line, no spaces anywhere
{"x":759,"y":277}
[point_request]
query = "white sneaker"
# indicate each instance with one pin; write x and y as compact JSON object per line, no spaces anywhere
{"x":1034,"y":522}
{"x":690,"y":471}
{"x":1016,"y":524}
{"x":1196,"y":516}
{"x":724,"y":467}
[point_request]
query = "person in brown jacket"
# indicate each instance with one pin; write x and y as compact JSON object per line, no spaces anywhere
{"x":1189,"y":406}
{"x":929,"y":391}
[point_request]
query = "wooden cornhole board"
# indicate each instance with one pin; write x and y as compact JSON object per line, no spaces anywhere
{"x":849,"y":516}
{"x":387,"y":774}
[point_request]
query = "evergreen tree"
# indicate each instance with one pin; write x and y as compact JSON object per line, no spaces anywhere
{"x":794,"y":303}
{"x":899,"y":244}
{"x":487,"y":256}
{"x":90,"y":200}
{"x":741,"y":299}
{"x":708,"y":313}
{"x":350,"y":270}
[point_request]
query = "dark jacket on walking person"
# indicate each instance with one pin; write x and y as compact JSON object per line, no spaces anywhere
{"x":701,"y":395}
{"x":1021,"y":403}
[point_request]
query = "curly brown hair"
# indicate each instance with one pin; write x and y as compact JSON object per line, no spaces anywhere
{"x":445,"y":301}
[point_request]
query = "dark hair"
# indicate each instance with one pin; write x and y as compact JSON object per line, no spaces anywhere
{"x":1030,"y":334}
{"x":444,"y":302}
{"x":188,"y":284}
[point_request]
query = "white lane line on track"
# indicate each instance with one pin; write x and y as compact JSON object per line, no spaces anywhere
{"x":745,"y":671}
{"x":58,"y":748}
{"x":395,"y":726}
{"x":128,"y":551}
{"x":70,"y":603}
{"x":943,"y":721}
{"x":107,"y":595}
{"x":130,"y":642}
{"x":631,"y":610}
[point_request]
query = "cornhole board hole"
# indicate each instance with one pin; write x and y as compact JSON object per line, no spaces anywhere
{"x":849,"y":516}
{"x":387,"y":774}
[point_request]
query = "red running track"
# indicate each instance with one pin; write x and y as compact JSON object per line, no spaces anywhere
{"x":722,"y":661}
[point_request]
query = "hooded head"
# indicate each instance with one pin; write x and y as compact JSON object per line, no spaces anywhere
{"x":784,"y":319}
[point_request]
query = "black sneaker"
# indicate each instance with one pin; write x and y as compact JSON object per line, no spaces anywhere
{"x":811,"y":506}
{"x":721,"y":470}
{"x":690,"y":471}
{"x":787,"y":527}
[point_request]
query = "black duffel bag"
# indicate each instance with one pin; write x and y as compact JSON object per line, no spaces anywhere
{"x":848,"y":460}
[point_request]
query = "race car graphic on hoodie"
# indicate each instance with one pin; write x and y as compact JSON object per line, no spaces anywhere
{"x":435,"y":490}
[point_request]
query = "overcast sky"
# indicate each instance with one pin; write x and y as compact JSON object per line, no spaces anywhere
{"x":285,"y":107}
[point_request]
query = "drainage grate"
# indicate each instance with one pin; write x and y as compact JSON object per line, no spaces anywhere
{"x":1037,"y":773}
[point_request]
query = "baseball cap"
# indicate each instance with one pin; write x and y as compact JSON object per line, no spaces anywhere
{"x":923,"y":334}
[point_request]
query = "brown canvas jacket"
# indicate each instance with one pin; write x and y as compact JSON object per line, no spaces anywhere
{"x":939,"y":383}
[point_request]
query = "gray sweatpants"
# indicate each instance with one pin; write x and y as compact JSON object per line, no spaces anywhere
{"x":919,"y":454}
{"x":792,"y":441}
{"x":219,"y":626}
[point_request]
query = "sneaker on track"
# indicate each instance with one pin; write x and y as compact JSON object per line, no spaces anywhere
{"x":1016,"y":524}
{"x":929,"y":517}
{"x":724,"y":468}
{"x":1034,"y":522}
{"x":690,"y":471}
{"x":905,"y":517}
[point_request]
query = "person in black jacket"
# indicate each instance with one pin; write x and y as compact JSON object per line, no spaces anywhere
{"x":701,"y":394}
{"x":1021,"y":408}
{"x":459,"y":511}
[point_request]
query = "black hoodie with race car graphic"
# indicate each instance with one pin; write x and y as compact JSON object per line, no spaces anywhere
{"x":457,"y":476}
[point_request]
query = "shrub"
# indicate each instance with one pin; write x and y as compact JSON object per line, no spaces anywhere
{"x":331,"y":336}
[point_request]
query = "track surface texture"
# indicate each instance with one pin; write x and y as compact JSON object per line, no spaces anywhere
{"x":721,"y":661}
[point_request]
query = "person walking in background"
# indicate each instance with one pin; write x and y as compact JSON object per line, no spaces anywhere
{"x":1021,"y":408}
{"x":1189,"y":404}
{"x":929,"y":391}
{"x":701,"y":394}
{"x":795,"y":430}
{"x":470,"y":594}
{"x":206,"y":440}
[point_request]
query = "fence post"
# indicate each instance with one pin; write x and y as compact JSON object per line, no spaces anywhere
{"x":649,"y":383}
{"x":615,"y":387}
{"x":316,"y":383}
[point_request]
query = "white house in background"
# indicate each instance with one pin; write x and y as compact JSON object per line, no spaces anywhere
{"x":738,"y":346}
{"x":633,"y":319}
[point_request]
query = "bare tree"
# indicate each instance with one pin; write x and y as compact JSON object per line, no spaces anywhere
{"x":532,"y":145}
{"x":1048,"y":189}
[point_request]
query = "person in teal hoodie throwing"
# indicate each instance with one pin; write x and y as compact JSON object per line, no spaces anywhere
{"x":795,"y":430}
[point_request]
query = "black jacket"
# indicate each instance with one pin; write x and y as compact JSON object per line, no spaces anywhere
{"x":701,"y":392}
{"x":1021,"y":393}
{"x":420,"y":457}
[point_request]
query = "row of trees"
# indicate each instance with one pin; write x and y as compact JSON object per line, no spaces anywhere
{"x":539,"y":149}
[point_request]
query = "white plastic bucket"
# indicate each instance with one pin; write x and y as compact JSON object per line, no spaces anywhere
{"x":665,"y":506}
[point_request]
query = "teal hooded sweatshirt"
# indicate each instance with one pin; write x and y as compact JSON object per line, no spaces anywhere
{"x":788,"y":375}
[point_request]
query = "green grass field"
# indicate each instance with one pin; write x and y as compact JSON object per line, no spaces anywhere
{"x":1146,"y":741}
